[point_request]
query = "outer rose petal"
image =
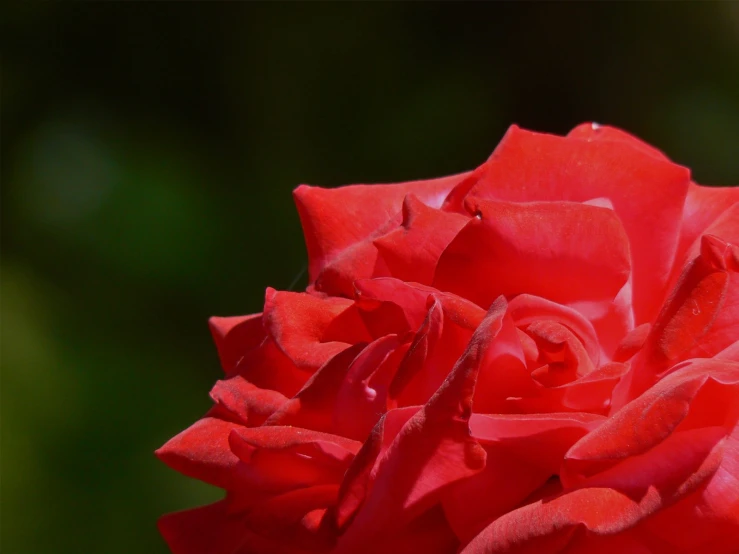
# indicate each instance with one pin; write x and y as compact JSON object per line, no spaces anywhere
{"x":724,"y":228}
{"x":235,"y":336}
{"x":596,"y":132}
{"x":349,"y":393}
{"x":703,"y":206}
{"x":391,"y":306}
{"x":244,"y":402}
{"x":335,"y":219}
{"x":245,"y":349}
{"x":310,"y":330}
{"x":700,"y":319}
{"x":548,"y":527}
{"x":700,"y":393}
{"x":202,"y":452}
{"x":312,"y":407}
{"x":708,"y":519}
{"x":646,"y":192}
{"x":359,"y":261}
{"x":412,"y":251}
{"x":279,"y":460}
{"x":580,"y":252}
{"x":205,"y":530}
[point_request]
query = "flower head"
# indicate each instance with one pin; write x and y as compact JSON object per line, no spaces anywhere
{"x":539,"y":355}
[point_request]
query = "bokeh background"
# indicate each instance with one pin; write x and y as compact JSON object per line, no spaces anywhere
{"x":148,"y":155}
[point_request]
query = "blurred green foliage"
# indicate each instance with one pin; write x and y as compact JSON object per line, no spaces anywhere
{"x":148,"y":155}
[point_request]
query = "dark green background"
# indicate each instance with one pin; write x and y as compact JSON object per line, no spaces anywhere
{"x":148,"y":155}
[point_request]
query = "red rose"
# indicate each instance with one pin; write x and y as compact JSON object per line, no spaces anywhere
{"x":537,"y":356}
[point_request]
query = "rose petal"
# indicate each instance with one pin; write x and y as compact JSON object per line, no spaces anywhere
{"x":359,"y":261}
{"x":335,"y":219}
{"x":540,"y":439}
{"x":279,"y":437}
{"x":312,"y":407}
{"x":646,"y":192}
{"x":730,"y":353}
{"x":549,"y":526}
{"x":561,"y":352}
{"x":591,"y":393}
{"x":651,"y":418}
{"x":724,"y":229}
{"x":349,"y":393}
{"x":431,"y":451}
{"x":280,"y":459}
{"x":585,"y":519}
{"x":235,"y":336}
{"x":471,"y":504}
{"x":427,"y":533}
{"x":202,"y":452}
{"x":596,"y":132}
{"x":246,"y":349}
{"x":703,"y":207}
{"x":437,"y":345}
{"x":707,"y":520}
{"x":632,"y":343}
{"x":526,"y":308}
{"x":388,"y":305}
{"x":244,"y":402}
{"x":502,"y":370}
{"x":699,"y":320}
{"x":311,"y":330}
{"x":412,"y":251}
{"x":360,"y":475}
{"x":522,"y":453}
{"x":580,"y":252}
{"x":286,"y":519}
{"x":363,"y":395}
{"x":205,"y":530}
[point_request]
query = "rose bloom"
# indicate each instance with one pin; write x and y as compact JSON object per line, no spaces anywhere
{"x":536,"y":356}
